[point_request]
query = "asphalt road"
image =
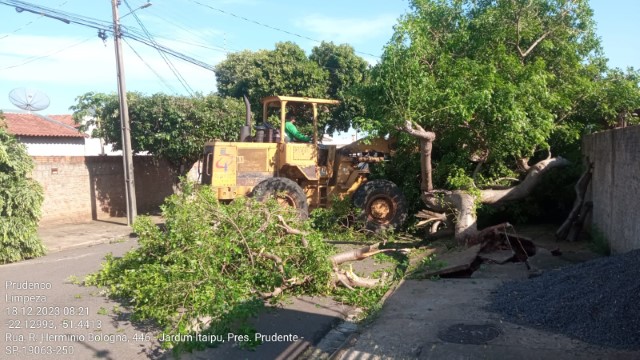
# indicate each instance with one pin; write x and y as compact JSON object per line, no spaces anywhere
{"x":46,"y":314}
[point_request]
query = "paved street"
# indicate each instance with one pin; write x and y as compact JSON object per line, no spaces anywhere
{"x":46,"y":314}
{"x":55,"y":318}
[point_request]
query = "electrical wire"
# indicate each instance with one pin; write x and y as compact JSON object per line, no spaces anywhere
{"x":169,"y":20}
{"x":66,"y":17}
{"x":40,"y":57}
{"x":101,"y":25}
{"x":269,"y":26}
{"x":28,"y":23}
{"x":163,"y":80}
{"x":126,"y":32}
{"x":172,"y":67}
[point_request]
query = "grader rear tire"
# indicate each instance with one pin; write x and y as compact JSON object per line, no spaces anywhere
{"x":382,"y":204}
{"x":286,"y":191}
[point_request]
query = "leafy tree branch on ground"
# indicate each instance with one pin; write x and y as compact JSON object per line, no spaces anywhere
{"x":213,"y":265}
{"x":20,"y":201}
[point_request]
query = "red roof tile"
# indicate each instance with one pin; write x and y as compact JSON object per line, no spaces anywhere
{"x":38,"y":125}
{"x":65,"y":119}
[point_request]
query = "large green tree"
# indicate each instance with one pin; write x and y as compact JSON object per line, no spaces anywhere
{"x":285,"y":70}
{"x":329,"y":72}
{"x":173,"y":128}
{"x":346,"y":71}
{"x":20,"y":201}
{"x":495,"y":81}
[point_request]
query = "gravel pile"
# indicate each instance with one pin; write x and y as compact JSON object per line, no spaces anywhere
{"x":597,"y":301}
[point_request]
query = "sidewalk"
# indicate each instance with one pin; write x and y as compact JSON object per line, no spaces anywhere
{"x":58,"y":237}
{"x":69,"y":236}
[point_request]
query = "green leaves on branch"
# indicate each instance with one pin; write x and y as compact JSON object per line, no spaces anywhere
{"x":20,"y":201}
{"x":214,"y":261}
{"x":496,"y":78}
{"x":329,"y":72}
{"x":173,"y":128}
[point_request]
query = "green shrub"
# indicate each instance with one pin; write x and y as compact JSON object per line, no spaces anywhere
{"x":20,"y":201}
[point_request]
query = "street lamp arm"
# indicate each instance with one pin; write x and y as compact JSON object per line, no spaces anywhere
{"x":143,"y":6}
{"x":19,"y":9}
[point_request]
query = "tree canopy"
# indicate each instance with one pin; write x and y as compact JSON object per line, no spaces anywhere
{"x":495,"y":80}
{"x":329,"y":72}
{"x":20,"y":201}
{"x":173,"y":128}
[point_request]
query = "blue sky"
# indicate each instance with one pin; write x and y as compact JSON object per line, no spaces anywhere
{"x":65,"y":61}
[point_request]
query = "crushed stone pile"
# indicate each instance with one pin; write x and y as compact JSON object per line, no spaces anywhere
{"x":597,"y":301}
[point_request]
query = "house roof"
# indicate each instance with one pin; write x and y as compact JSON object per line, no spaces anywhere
{"x":65,"y":119}
{"x":29,"y":124}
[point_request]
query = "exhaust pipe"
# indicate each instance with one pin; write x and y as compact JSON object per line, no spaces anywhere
{"x":245,"y":131}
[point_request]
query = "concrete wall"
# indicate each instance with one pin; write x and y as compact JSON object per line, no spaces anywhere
{"x":82,"y":188}
{"x":615,"y":186}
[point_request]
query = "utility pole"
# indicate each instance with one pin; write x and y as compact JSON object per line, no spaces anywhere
{"x":124,"y":120}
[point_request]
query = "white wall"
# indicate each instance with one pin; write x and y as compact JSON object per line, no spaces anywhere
{"x":94,"y":146}
{"x":53,"y":145}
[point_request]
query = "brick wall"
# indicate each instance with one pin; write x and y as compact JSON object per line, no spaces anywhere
{"x":615,"y":185}
{"x":82,"y":188}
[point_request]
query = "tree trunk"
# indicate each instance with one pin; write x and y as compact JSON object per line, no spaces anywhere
{"x":426,"y":144}
{"x":462,"y":204}
{"x":534,"y":174}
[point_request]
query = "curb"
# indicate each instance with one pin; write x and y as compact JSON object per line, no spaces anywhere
{"x":89,"y":243}
{"x":342,"y":337}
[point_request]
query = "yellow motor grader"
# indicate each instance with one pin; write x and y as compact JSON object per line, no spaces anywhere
{"x":302,"y":175}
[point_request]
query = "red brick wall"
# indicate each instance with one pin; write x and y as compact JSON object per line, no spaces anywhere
{"x":82,"y":188}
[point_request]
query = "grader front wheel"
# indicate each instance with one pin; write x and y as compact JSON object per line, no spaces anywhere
{"x":382,"y":204}
{"x":286,"y":192}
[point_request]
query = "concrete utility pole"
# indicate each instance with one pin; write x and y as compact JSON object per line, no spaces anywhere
{"x":125,"y":126}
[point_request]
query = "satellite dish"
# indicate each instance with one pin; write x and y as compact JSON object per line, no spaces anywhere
{"x":29,"y":99}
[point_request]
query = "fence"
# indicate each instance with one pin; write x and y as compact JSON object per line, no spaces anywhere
{"x":615,"y":186}
{"x":85,"y":188}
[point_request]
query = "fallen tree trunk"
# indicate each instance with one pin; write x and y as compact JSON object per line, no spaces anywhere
{"x":461,"y":204}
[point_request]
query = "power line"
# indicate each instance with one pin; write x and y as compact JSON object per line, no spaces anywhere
{"x":103,"y":26}
{"x":40,"y":57}
{"x":172,"y":67}
{"x":56,"y":14}
{"x":28,"y":23}
{"x":223,"y":49}
{"x":269,"y":26}
{"x":165,"y":82}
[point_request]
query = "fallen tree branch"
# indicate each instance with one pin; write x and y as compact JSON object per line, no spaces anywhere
{"x":430,"y":217}
{"x":266,"y":222}
{"x":292,"y":231}
{"x":580,"y":188}
{"x":534,"y":175}
{"x":276,"y":259}
{"x":358,"y":254}
{"x":288,"y":228}
{"x":290,"y":283}
{"x":349,"y":279}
